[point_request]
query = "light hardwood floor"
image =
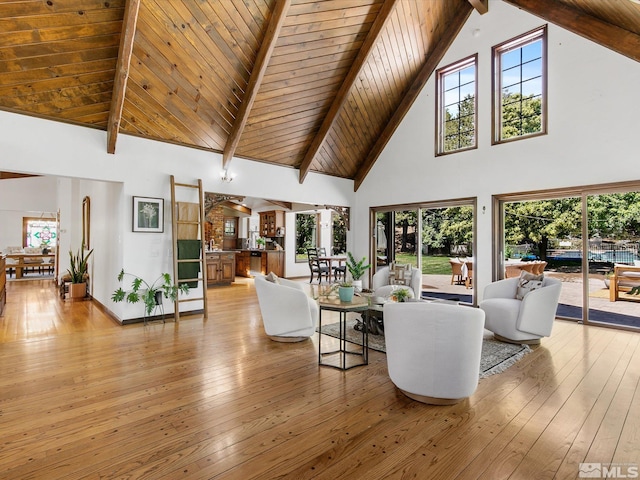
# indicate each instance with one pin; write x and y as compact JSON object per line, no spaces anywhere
{"x":82,"y":397}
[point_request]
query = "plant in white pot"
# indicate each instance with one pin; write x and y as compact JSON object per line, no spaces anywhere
{"x":78,"y":273}
{"x":149,"y":293}
{"x":356,"y":269}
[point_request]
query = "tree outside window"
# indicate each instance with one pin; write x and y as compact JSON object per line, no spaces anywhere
{"x":306,"y":234}
{"x":519,"y":67}
{"x":456,"y":93}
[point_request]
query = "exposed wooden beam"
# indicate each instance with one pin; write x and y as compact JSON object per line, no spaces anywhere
{"x":347,"y":84}
{"x":581,"y":23}
{"x":257,"y":73}
{"x":238,"y":208}
{"x":122,"y":72}
{"x":287,"y":205}
{"x":412,"y":93}
{"x":212,"y":200}
{"x":482,"y":6}
{"x":5,"y":175}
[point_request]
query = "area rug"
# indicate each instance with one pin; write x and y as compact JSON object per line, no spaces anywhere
{"x":496,"y":356}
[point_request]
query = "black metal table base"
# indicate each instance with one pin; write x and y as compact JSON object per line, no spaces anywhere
{"x":343,"y":352}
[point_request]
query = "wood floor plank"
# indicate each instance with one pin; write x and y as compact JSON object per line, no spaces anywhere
{"x":216,"y":398}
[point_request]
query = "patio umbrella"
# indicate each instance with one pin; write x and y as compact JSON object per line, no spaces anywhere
{"x":381,"y":237}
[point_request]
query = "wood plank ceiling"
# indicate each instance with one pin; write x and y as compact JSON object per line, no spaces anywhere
{"x":317,"y":86}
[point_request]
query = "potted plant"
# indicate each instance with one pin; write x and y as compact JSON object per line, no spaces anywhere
{"x":261,"y":242}
{"x":357,"y":269}
{"x":346,"y":291}
{"x":400,"y":295}
{"x":78,"y":273}
{"x":150,"y":294}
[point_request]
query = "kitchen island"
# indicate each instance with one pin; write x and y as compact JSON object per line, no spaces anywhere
{"x":262,"y":261}
{"x":221,"y":267}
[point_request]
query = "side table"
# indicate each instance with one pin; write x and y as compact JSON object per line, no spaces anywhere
{"x":358,"y":304}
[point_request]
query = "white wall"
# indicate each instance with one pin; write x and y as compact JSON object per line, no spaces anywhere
{"x":139,"y":168}
{"x":592,"y":124}
{"x":24,"y":197}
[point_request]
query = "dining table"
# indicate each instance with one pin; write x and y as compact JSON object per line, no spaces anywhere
{"x":330,"y":259}
{"x":22,"y":261}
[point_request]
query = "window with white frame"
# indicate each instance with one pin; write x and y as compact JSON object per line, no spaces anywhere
{"x":456,"y":93}
{"x":520,"y":85}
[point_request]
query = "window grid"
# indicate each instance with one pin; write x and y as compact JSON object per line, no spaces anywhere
{"x":519,"y":68}
{"x":456,"y":116}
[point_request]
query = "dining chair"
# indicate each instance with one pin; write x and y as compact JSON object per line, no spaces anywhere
{"x":316,"y":266}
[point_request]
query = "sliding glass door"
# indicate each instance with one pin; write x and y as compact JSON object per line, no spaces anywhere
{"x":582,"y":237}
{"x":437,"y":238}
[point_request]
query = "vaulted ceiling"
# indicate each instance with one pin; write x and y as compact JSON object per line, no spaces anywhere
{"x":314,"y":85}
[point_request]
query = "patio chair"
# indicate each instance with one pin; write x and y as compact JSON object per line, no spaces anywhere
{"x":456,"y":271}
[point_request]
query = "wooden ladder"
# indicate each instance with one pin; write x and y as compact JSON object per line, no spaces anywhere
{"x":181,"y":228}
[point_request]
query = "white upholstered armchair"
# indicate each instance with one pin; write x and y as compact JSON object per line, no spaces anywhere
{"x":288,"y":313}
{"x":433,"y":350}
{"x":520,"y":321}
{"x":381,"y":286}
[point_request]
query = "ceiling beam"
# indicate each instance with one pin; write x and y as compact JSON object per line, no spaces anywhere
{"x":257,"y":74}
{"x":238,"y":208}
{"x":122,"y":72}
{"x":581,"y":23}
{"x":285,"y":205}
{"x":482,"y":6}
{"x":4,"y":175}
{"x":342,"y":95}
{"x":431,"y":62}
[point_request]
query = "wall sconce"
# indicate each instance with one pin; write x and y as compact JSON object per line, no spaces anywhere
{"x":227,"y":177}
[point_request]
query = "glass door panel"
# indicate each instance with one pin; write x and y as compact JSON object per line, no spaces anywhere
{"x":614,"y":234}
{"x":548,"y":231}
{"x":447,"y":253}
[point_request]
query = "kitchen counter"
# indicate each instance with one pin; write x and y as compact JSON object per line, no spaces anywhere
{"x":221,"y":267}
{"x":256,"y":260}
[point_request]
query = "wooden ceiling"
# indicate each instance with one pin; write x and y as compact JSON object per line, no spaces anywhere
{"x":317,"y":86}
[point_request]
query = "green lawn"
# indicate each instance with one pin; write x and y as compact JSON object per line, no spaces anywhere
{"x":430,"y":264}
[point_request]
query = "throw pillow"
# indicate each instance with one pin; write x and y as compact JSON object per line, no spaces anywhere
{"x":528,"y":282}
{"x":272,"y":277}
{"x":399,"y":274}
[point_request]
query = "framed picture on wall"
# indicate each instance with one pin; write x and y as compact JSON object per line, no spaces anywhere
{"x":148,"y":214}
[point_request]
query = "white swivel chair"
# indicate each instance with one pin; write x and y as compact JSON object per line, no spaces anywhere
{"x":288,"y":313}
{"x":382,"y":288}
{"x":520,"y":321}
{"x":433,"y":350}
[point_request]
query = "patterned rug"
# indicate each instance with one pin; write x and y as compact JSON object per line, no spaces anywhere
{"x":496,"y":356}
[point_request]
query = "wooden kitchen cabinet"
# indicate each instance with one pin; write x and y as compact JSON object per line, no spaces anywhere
{"x":243,"y":263}
{"x":270,"y":261}
{"x":221,"y":268}
{"x":270,"y":222}
{"x":273,"y":261}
